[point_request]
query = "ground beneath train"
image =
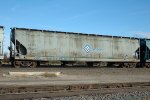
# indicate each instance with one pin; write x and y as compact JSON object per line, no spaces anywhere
{"x":70,"y":76}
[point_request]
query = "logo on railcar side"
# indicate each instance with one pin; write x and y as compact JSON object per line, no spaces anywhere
{"x":88,"y":48}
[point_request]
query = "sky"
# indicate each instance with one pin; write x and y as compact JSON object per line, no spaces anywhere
{"x":129,"y":18}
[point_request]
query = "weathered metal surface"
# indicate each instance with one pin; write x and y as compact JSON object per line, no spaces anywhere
{"x":1,"y":41}
{"x":53,"y":46}
{"x":148,"y":50}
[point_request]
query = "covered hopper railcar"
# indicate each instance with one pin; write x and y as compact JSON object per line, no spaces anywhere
{"x":31,"y":47}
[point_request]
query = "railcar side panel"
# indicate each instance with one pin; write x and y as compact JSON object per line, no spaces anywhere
{"x":62,"y":46}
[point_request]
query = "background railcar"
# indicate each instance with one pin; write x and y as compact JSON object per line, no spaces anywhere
{"x":147,"y":53}
{"x":32,"y":46}
{"x":1,"y":43}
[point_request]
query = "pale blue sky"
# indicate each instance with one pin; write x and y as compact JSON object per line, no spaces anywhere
{"x":110,"y":17}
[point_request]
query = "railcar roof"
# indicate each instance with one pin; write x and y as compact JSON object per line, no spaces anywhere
{"x":14,"y":28}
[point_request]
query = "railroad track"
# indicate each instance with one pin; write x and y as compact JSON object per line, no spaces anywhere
{"x":38,"y":91}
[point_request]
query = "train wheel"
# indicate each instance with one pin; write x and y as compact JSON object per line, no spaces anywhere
{"x":33,"y":64}
{"x":147,"y":65}
{"x":129,"y":65}
{"x":125,"y":65}
{"x":28,"y":64}
{"x":132,"y":65}
{"x":17,"y":64}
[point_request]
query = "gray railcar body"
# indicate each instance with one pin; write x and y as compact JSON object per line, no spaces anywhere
{"x":45,"y":45}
